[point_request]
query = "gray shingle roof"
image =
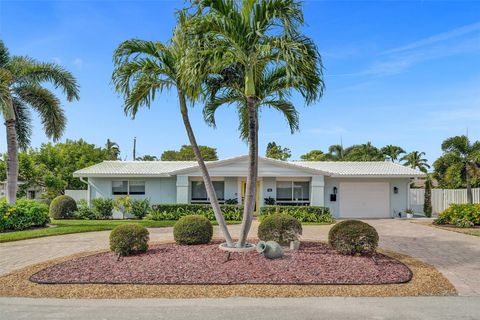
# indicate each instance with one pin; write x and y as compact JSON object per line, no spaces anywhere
{"x":170,"y":168}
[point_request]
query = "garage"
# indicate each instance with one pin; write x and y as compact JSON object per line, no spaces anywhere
{"x":364,"y":200}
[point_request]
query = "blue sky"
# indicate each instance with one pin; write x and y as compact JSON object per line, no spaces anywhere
{"x":396,"y":72}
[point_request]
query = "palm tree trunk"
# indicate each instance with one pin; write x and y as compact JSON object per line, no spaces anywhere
{"x":12,"y":161}
{"x":203,"y":168}
{"x":251,"y":187}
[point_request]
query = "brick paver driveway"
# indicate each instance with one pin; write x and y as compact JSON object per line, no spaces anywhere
{"x":456,"y":255}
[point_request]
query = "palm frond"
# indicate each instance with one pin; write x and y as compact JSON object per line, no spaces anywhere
{"x":30,"y":71}
{"x":23,"y":123}
{"x":4,"y":55}
{"x":47,"y":105}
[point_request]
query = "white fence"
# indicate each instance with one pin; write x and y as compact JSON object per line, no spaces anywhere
{"x":77,"y":194}
{"x":441,"y":198}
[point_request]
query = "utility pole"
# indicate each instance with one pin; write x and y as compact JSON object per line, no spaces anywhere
{"x":134,"y":148}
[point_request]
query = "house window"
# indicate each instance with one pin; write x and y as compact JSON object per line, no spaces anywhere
{"x":31,"y":194}
{"x":123,"y":188}
{"x":199,"y":193}
{"x":293,"y":192}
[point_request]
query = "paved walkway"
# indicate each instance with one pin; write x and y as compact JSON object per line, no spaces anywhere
{"x":401,"y":308}
{"x":456,"y":255}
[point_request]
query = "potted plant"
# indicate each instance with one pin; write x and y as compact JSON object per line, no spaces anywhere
{"x":409,"y":213}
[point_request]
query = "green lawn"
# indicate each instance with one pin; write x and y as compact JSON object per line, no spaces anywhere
{"x":76,"y":226}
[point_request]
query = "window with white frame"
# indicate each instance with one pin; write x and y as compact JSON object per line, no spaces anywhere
{"x":293,"y":192}
{"x":126,"y":187}
{"x":199,"y":192}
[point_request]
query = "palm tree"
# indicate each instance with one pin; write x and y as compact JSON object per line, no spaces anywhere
{"x":467,"y":156}
{"x":147,"y":157}
{"x":254,"y":36}
{"x":363,"y":152}
{"x":21,"y":88}
{"x":336,"y":152}
{"x":414,"y":160}
{"x":392,"y":152}
{"x":113,"y":149}
{"x":145,"y":68}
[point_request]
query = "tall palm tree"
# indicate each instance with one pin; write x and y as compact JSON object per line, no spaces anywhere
{"x":147,"y":157}
{"x":113,"y":149}
{"x":254,"y":36}
{"x":363,"y":152}
{"x":21,"y":88}
{"x":392,"y":152}
{"x":467,"y":157}
{"x":145,"y":68}
{"x":414,"y":160}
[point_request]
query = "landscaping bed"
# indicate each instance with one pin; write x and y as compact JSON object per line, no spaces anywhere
{"x":314,"y":263}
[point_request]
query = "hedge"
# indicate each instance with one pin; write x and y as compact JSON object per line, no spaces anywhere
{"x":460,"y":215}
{"x":177,"y":211}
{"x":23,"y":215}
{"x":301,"y":213}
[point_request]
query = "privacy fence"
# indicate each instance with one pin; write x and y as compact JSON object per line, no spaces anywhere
{"x":441,"y":198}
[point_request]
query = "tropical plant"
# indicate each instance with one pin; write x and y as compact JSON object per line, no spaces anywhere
{"x":427,"y":203}
{"x":461,"y":160}
{"x":275,"y":151}
{"x":176,"y":211}
{"x":363,"y":152}
{"x":140,"y":207}
{"x":112,"y":149}
{"x":414,"y":160}
{"x":255,"y":41}
{"x":124,"y":205}
{"x":21,"y":80}
{"x":314,"y":155}
{"x":336,"y":152}
{"x":145,"y":68}
{"x":392,"y":152}
{"x":186,"y":153}
{"x":147,"y":157}
{"x":103,"y":207}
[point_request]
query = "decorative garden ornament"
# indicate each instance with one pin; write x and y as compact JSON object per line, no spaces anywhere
{"x":270,"y":249}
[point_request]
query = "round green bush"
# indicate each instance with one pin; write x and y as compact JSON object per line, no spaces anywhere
{"x":127,"y":239}
{"x":62,"y":207}
{"x":279,"y":227}
{"x":353,"y":237}
{"x":193,"y":229}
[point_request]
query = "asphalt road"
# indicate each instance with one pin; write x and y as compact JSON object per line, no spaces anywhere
{"x":425,"y":308}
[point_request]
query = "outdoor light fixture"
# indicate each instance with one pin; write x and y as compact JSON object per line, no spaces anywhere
{"x":395,"y":190}
{"x":334,"y":190}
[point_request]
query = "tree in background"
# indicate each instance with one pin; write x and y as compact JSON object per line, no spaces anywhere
{"x":363,"y":152}
{"x":415,"y":160}
{"x":427,"y":204}
{"x":336,"y":152}
{"x":21,"y":80}
{"x":459,"y":166}
{"x":147,"y":157}
{"x":392,"y":152}
{"x":186,"y":154}
{"x":113,"y":150}
{"x":314,"y":155}
{"x":275,"y":151}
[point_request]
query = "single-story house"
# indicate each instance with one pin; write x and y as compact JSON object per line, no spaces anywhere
{"x":349,"y":189}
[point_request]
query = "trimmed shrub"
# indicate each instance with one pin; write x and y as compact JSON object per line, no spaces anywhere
{"x":62,"y":207}
{"x":353,"y":237}
{"x":461,"y":215}
{"x":193,"y":229}
{"x":140,"y":208}
{"x":177,"y":211}
{"x":23,"y":215}
{"x":301,"y":213}
{"x":103,"y":207}
{"x":281,"y":228}
{"x":127,"y":239}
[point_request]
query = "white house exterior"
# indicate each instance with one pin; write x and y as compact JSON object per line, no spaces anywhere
{"x":349,"y":189}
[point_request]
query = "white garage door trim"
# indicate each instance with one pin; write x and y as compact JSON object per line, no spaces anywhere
{"x":364,"y":200}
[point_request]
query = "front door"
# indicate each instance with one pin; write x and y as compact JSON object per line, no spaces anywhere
{"x":244,"y":188}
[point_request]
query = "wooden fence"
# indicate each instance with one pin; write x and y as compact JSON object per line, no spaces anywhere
{"x":441,"y":198}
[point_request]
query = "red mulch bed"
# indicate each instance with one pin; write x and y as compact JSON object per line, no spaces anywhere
{"x":314,"y":263}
